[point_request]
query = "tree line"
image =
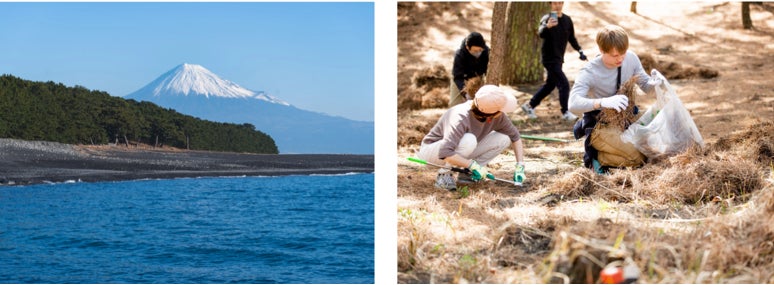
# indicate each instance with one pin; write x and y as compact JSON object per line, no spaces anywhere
{"x":76,"y":115}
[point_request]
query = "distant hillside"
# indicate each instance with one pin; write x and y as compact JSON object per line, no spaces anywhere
{"x":54,"y":112}
{"x":194,"y":90}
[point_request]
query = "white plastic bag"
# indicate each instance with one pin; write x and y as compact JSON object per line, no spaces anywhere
{"x":666,"y":128}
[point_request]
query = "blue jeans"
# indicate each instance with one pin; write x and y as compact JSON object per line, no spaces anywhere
{"x":555,"y":79}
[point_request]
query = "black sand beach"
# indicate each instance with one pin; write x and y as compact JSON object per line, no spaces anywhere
{"x":35,"y":162}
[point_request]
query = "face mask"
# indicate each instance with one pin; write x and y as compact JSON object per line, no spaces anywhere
{"x":477,"y":54}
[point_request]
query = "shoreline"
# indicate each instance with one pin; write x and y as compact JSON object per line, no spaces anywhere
{"x":47,"y":182}
{"x":40,"y":162}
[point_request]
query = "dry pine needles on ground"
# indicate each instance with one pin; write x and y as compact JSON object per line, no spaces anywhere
{"x":731,"y":244}
{"x":718,"y":224}
{"x":730,"y":167}
{"x":701,"y":239}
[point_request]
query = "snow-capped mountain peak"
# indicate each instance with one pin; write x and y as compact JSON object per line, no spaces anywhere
{"x":193,"y":79}
{"x":195,"y":91}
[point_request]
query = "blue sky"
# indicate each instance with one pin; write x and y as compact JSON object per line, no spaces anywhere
{"x":316,"y":56}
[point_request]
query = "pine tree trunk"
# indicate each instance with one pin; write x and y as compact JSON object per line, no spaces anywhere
{"x":157,"y":142}
{"x":498,"y":49}
{"x":515,"y":43}
{"x":746,"y":21}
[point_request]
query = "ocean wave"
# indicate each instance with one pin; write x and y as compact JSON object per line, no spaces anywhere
{"x":79,"y":181}
{"x":49,"y":182}
{"x":341,"y":174}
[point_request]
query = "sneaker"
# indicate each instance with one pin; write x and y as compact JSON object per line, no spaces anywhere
{"x":568,"y":116}
{"x":446,"y":181}
{"x":597,"y":167}
{"x":529,"y":111}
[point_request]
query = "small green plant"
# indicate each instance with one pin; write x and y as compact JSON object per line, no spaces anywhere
{"x":416,"y":235}
{"x":467,"y":266}
{"x":464,"y":192}
{"x":408,"y":214}
{"x":604,"y":206}
{"x":438,"y":249}
{"x":467,"y":261}
{"x":652,"y":264}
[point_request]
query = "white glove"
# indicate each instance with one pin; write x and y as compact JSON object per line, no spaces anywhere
{"x":617,"y":102}
{"x":656,"y":78}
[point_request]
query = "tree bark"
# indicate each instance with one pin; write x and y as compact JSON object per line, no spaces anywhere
{"x":499,"y":46}
{"x":515,"y":54}
{"x":746,"y":21}
{"x":633,"y":7}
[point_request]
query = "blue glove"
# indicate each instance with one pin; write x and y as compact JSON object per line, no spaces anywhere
{"x":518,"y":174}
{"x":479,"y":172}
{"x":582,"y":56}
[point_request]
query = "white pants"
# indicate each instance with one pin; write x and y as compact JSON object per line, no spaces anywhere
{"x":482,"y":152}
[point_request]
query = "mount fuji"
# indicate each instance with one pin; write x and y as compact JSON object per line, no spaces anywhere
{"x":192,"y":89}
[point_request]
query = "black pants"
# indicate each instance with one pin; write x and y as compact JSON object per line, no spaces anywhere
{"x":583,"y":127}
{"x":555,"y":79}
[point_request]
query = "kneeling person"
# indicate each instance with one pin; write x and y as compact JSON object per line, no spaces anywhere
{"x":595,"y":89}
{"x":471,"y":134}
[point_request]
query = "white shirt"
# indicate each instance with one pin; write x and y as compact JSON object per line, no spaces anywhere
{"x":596,"y":81}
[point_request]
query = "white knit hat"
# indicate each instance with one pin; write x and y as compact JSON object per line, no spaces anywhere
{"x":490,"y":99}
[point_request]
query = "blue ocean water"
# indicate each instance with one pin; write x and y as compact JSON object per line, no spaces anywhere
{"x":290,"y":229}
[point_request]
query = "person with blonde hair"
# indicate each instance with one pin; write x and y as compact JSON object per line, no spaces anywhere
{"x":596,"y":87}
{"x":471,"y":134}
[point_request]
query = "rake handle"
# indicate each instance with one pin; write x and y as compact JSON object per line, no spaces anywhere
{"x":545,"y":139}
{"x":452,"y":168}
{"x":460,"y":170}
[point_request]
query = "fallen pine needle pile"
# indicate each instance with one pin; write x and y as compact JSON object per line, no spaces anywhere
{"x":704,"y":216}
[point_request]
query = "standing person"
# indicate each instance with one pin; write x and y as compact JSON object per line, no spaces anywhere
{"x":471,"y":134}
{"x":470,"y":60}
{"x":556,"y":29}
{"x":596,"y":87}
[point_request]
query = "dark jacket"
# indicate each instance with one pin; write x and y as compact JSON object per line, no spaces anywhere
{"x":467,"y":66}
{"x":555,"y":39}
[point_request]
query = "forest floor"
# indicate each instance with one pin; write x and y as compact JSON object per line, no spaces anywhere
{"x":705,"y":216}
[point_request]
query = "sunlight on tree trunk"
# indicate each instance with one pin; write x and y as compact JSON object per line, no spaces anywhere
{"x":746,"y":21}
{"x":515,"y":54}
{"x":633,"y":7}
{"x":498,"y":39}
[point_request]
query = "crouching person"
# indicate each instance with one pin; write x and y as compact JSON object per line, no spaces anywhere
{"x":471,"y":134}
{"x":596,"y":88}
